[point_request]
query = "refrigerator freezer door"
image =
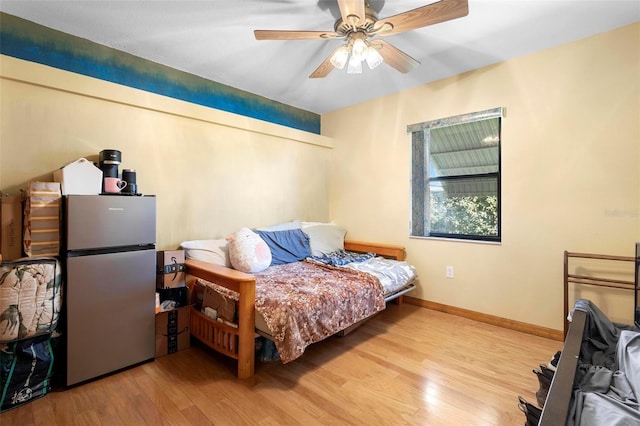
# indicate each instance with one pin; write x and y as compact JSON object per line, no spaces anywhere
{"x":110,"y":312}
{"x":105,"y":221}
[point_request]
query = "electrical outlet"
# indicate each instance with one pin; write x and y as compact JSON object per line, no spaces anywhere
{"x":449,"y":273}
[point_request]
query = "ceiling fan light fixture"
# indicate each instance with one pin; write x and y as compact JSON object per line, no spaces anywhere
{"x":359,"y":48}
{"x":358,"y":23}
{"x":373,"y":57}
{"x":355,"y":65}
{"x":339,"y":58}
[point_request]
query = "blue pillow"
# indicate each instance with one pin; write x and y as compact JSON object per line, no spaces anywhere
{"x":286,"y":246}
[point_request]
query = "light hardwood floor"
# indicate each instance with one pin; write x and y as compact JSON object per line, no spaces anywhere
{"x":408,"y":365}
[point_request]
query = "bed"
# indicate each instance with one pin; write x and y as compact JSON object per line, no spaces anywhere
{"x":269,"y":302}
{"x":597,"y":379}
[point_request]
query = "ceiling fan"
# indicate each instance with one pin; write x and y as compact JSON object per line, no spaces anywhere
{"x":359,"y":25}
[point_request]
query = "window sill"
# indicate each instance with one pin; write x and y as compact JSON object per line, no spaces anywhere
{"x":457,"y":240}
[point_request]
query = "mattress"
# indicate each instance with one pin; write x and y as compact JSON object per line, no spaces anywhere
{"x":30,"y":297}
{"x":393,"y":274}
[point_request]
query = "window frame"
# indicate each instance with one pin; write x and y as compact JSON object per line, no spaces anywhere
{"x":419,"y":222}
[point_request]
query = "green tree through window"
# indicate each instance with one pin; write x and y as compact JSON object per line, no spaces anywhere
{"x":455,"y":177}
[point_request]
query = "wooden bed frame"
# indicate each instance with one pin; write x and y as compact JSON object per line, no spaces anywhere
{"x":558,"y":402}
{"x":239,"y":343}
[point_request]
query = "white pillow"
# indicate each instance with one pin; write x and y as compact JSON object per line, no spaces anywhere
{"x":248,"y":252}
{"x":285,"y":226}
{"x":211,"y":251}
{"x":325,"y":238}
{"x":304,"y":225}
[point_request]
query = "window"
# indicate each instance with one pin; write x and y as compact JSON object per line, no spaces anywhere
{"x":455,"y":177}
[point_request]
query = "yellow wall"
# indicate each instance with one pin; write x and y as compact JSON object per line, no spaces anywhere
{"x":570,"y":179}
{"x":212,"y":172}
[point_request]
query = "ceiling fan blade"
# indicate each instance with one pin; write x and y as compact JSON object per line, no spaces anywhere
{"x":352,"y":8}
{"x":395,"y":57}
{"x":433,"y":13}
{"x":325,"y":67}
{"x":293,"y":35}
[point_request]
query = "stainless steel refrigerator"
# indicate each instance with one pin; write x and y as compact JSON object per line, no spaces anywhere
{"x":110,"y":266}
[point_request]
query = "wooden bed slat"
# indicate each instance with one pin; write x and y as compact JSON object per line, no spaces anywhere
{"x":624,"y":285}
{"x":584,"y":279}
{"x":220,"y":337}
{"x":599,"y":256}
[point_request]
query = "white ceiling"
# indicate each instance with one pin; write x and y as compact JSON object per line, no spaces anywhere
{"x":214,"y":39}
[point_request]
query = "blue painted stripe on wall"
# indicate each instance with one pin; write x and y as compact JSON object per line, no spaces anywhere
{"x":32,"y":42}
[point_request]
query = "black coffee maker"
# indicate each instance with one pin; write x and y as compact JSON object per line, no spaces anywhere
{"x":110,"y":159}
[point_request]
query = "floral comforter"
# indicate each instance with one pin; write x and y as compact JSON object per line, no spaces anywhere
{"x":306,"y":302}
